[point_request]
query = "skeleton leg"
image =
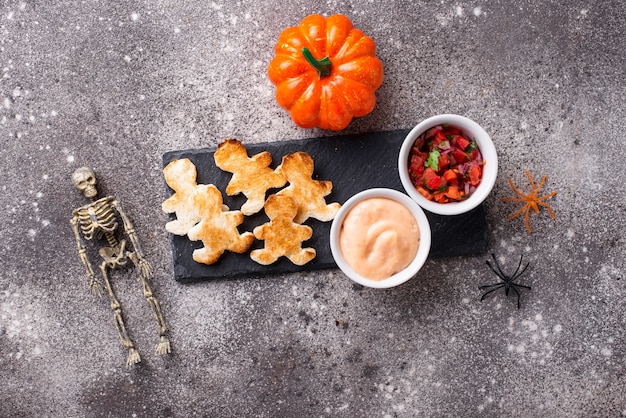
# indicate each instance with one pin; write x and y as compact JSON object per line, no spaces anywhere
{"x":133,"y":354}
{"x":145,"y":273}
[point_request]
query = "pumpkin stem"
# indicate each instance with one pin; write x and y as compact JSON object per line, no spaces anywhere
{"x":322,"y":66}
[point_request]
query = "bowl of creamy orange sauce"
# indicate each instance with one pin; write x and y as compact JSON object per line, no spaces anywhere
{"x":380,"y":238}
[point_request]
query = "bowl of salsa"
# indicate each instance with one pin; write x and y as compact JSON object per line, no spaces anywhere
{"x":448,"y":164}
{"x":380,"y":238}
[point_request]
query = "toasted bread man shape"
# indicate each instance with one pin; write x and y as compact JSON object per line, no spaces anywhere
{"x":218,"y":229}
{"x":251,"y":175}
{"x":282,"y":236}
{"x":308,"y":193}
{"x":180,"y":175}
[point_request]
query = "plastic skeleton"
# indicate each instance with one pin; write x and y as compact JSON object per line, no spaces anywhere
{"x":99,"y":219}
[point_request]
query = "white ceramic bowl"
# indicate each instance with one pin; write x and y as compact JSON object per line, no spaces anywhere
{"x":422,"y":251}
{"x":486,"y":147}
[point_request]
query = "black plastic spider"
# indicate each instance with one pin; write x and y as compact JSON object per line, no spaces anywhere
{"x":508,"y":282}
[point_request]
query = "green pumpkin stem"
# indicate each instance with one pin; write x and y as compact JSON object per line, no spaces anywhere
{"x":322,"y":66}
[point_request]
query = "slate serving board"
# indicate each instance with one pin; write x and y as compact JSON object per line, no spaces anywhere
{"x":353,"y":163}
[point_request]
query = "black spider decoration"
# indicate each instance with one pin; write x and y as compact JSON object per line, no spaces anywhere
{"x":508,"y":282}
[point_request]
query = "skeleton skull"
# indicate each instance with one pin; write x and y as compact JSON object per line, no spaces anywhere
{"x":85,"y":180}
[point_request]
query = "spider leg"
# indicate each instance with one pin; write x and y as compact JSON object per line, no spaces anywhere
{"x":518,"y":296}
{"x":526,"y":218}
{"x":517,"y":275}
{"x":532,"y":182}
{"x":521,"y":285}
{"x":487,"y":286}
{"x":491,"y":291}
{"x":498,"y":272}
{"x":515,"y":189}
{"x":548,"y":196}
{"x":495,"y":260}
{"x":543,"y":179}
{"x":545,"y":205}
{"x":519,"y":212}
{"x":518,"y":266}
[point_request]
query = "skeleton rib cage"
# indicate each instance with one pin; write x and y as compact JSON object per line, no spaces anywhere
{"x":98,"y":218}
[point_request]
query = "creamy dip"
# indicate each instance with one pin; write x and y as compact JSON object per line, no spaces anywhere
{"x":379,"y":237}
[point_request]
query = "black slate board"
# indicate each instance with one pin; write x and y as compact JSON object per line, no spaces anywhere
{"x":353,"y":163}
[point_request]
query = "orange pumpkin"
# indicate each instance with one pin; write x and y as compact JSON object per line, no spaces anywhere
{"x":326,"y":72}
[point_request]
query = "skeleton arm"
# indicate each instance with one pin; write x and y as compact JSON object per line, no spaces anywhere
{"x":94,"y":284}
{"x":146,"y":269}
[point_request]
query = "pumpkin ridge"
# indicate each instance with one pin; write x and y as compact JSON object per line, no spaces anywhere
{"x":284,"y":67}
{"x":338,"y":30}
{"x":352,"y":39}
{"x":311,"y":43}
{"x":360,"y":47}
{"x":350,"y":70}
{"x":360,"y":96}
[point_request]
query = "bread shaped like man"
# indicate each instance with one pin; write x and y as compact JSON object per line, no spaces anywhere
{"x":308,"y":193}
{"x":282,"y":236}
{"x":252,"y":176}
{"x":218,"y":228}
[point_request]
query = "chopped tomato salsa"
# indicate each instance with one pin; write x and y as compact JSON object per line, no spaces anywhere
{"x":445,"y":165}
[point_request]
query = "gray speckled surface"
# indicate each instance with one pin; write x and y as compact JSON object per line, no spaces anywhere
{"x":114,"y":85}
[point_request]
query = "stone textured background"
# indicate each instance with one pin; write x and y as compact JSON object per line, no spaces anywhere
{"x":114,"y":85}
